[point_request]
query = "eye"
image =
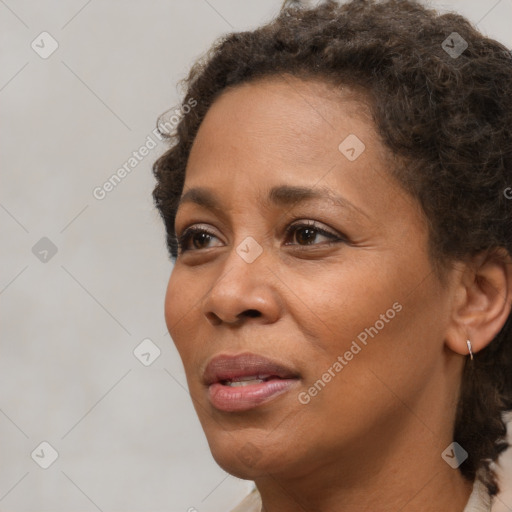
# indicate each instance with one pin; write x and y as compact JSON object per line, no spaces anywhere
{"x":310,"y":231}
{"x":193,"y":233}
{"x":306,"y":233}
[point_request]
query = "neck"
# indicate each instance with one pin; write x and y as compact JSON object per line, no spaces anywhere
{"x":423,"y":492}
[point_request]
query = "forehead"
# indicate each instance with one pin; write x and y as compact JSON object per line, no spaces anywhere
{"x":288,"y":130}
{"x":284,"y":118}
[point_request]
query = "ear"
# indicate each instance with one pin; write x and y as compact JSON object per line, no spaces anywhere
{"x":482,"y":300}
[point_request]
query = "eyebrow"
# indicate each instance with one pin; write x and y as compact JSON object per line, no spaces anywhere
{"x":283,"y":195}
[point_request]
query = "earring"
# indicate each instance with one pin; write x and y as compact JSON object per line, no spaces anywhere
{"x":469,"y":348}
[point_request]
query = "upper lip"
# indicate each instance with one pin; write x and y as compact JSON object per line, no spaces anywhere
{"x":229,"y":367}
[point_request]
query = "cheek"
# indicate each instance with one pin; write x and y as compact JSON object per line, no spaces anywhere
{"x":381,"y":326}
{"x":171,"y":304}
{"x":339,"y":303}
{"x":370,"y":318}
{"x":180,"y":302}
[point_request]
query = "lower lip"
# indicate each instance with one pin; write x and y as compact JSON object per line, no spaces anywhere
{"x":243,"y":398}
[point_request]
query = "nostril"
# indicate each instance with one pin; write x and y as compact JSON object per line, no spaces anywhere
{"x":252,"y":313}
{"x":213,"y":318}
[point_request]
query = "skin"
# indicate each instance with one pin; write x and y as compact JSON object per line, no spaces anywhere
{"x":372,"y":438}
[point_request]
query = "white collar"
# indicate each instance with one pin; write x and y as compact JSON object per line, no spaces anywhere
{"x":479,"y":500}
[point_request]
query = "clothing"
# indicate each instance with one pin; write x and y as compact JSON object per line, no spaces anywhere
{"x":479,"y":500}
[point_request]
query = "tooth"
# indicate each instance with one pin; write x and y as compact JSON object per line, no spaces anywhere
{"x":245,"y":382}
{"x":250,"y":377}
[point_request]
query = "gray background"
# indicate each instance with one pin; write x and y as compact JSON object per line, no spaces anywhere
{"x":126,"y":434}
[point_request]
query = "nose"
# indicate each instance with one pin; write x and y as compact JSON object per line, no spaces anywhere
{"x":242,"y":291}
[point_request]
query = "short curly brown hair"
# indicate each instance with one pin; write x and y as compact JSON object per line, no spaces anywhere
{"x":448,"y":117}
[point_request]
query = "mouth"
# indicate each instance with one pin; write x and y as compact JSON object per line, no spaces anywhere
{"x":245,"y":381}
{"x":248,"y":380}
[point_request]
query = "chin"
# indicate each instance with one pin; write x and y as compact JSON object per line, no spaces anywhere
{"x":248,"y":457}
{"x":243,"y":463}
{"x":241,"y":454}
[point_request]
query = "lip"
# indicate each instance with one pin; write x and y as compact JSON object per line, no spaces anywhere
{"x":225,"y":367}
{"x":229,"y":367}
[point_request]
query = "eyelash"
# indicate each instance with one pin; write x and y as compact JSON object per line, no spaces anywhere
{"x":190,"y":232}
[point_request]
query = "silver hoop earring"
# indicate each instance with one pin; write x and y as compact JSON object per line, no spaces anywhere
{"x":469,"y":348}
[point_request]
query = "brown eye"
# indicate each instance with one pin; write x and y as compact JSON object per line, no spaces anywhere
{"x":197,"y":235}
{"x":306,"y":233}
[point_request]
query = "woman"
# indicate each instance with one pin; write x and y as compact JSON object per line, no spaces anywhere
{"x":337,"y":206}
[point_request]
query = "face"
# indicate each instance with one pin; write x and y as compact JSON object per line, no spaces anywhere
{"x":341,"y":292}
